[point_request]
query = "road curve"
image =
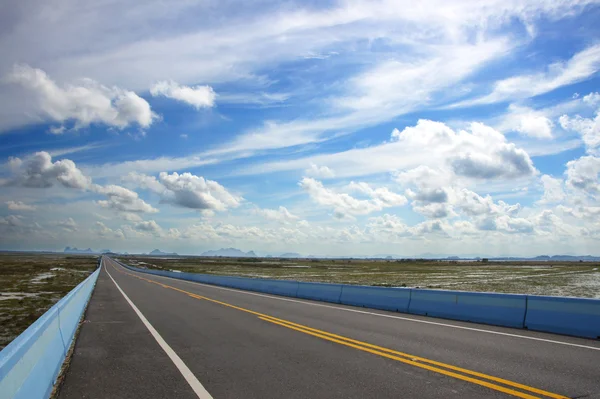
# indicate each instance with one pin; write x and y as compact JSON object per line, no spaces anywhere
{"x":150,"y":336}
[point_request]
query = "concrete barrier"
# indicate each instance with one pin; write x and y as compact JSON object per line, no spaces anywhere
{"x":30,"y":364}
{"x":570,"y":316}
{"x":488,"y":308}
{"x":320,"y":292}
{"x":394,"y":299}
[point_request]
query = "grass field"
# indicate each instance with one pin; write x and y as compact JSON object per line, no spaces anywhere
{"x":31,"y":283}
{"x":537,"y":278}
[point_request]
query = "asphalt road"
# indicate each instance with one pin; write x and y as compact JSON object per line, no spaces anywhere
{"x":205,"y":341}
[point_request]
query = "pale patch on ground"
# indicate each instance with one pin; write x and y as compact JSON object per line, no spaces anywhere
{"x":30,"y":283}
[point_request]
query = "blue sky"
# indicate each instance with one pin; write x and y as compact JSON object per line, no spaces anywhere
{"x":324,"y":128}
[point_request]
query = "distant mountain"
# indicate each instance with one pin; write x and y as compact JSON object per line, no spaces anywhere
{"x":230,"y":252}
{"x":74,"y":250}
{"x":291,"y":255}
{"x":103,"y":251}
{"x":158,"y":252}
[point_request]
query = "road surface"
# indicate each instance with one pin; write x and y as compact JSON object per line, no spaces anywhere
{"x":147,"y":336}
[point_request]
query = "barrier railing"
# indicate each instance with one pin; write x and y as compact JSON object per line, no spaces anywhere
{"x":563,"y":315}
{"x":30,"y":364}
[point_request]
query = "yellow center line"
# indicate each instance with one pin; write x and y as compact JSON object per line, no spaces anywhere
{"x":406,"y":358}
{"x":411,"y":363}
{"x":421,"y":359}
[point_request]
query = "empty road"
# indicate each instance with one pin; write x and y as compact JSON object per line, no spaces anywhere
{"x":148,"y":336}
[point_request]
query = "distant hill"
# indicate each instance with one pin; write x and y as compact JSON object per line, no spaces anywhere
{"x":74,"y":250}
{"x":103,"y":251}
{"x":230,"y":252}
{"x":291,"y":255}
{"x":158,"y":252}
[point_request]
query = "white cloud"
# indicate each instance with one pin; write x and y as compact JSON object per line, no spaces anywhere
{"x":381,"y":194}
{"x":144,"y":181}
{"x":68,"y":224}
{"x":580,"y":67}
{"x":130,"y":217}
{"x":85,"y":104}
{"x":196,"y":96}
{"x":322,"y":172}
{"x":477,"y":153}
{"x":123,"y":200}
{"x":149,"y":226}
{"x":345,"y":205}
{"x":19,"y":206}
{"x":412,"y":81}
{"x":553,"y":190}
{"x":187,"y":190}
{"x":592,"y":99}
{"x":582,"y":175}
{"x":191,"y":191}
{"x":282,"y":215}
{"x":588,"y":128}
{"x":528,"y":122}
{"x":38,"y":171}
{"x":12,"y":221}
{"x":103,"y":231}
{"x":57,"y":130}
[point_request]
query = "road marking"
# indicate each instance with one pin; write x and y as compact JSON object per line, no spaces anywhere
{"x":196,"y":386}
{"x":415,"y":361}
{"x":410,"y":357}
{"x":551,"y":341}
{"x":412,"y":363}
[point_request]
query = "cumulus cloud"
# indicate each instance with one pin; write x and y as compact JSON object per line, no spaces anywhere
{"x":38,"y":171}
{"x":345,"y":205}
{"x":149,"y":226}
{"x":19,"y":206}
{"x":553,"y":190}
{"x":196,"y":96}
{"x":84,"y":104}
{"x":187,"y":190}
{"x":485,"y":154}
{"x":144,"y":181}
{"x":322,"y":172}
{"x":12,"y":220}
{"x":281,"y":215}
{"x":68,"y":224}
{"x":477,"y":152}
{"x":582,"y":175}
{"x":587,"y":128}
{"x":191,"y":191}
{"x":123,"y":200}
{"x":528,"y":122}
{"x":437,"y":193}
{"x":428,"y":195}
{"x":103,"y":231}
{"x":591,"y":99}
{"x":383,"y":195}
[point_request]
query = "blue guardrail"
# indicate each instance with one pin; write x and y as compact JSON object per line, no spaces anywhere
{"x":570,"y":316}
{"x":30,"y":364}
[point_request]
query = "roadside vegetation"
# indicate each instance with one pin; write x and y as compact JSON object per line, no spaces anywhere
{"x":30,"y":283}
{"x":580,"y":279}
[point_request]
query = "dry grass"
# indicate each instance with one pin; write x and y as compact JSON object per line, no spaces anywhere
{"x":31,"y":283}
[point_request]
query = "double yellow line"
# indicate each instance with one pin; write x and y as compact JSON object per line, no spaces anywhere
{"x":474,"y":377}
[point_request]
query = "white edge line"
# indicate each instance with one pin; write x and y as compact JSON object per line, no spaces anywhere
{"x":198,"y":388}
{"x":384,"y":315}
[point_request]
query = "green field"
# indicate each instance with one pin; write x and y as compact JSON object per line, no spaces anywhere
{"x":538,"y":278}
{"x":31,"y":283}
